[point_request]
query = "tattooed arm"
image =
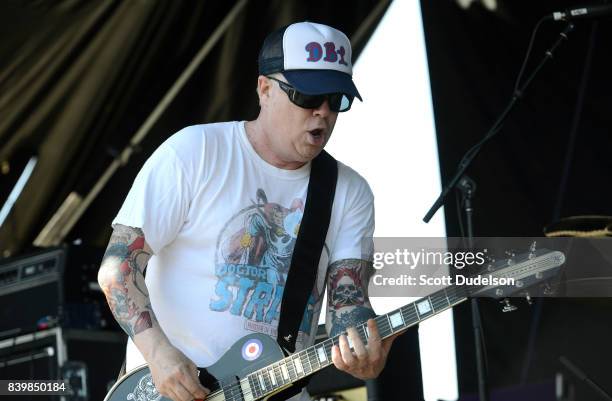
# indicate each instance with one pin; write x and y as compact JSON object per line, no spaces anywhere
{"x":347,"y":306}
{"x":121,"y":277}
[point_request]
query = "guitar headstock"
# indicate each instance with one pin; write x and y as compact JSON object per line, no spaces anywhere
{"x":519,"y":275}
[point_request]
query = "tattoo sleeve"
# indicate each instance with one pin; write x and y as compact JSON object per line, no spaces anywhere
{"x":121,"y":277}
{"x":347,"y":295}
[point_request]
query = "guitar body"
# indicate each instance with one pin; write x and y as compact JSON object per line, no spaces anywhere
{"x":247,"y":355}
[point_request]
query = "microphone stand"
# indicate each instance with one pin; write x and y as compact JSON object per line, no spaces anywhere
{"x":467,"y":187}
{"x":483,"y":389}
{"x":473,"y":152}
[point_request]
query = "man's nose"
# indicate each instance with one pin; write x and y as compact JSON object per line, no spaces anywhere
{"x":323,"y":110}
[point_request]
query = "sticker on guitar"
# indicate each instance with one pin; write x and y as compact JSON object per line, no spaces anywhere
{"x":145,"y":390}
{"x":252,"y":349}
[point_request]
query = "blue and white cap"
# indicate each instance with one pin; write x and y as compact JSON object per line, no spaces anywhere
{"x":314,"y":58}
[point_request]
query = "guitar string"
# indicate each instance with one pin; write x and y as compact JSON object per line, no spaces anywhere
{"x":385,"y":330}
{"x":460,"y":292}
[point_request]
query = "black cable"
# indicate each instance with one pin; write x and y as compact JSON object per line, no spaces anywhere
{"x":516,"y":93}
{"x":460,"y":216}
{"x":517,"y":83}
{"x":569,"y":154}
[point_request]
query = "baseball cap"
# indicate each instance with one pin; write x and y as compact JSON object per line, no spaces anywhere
{"x":314,"y":58}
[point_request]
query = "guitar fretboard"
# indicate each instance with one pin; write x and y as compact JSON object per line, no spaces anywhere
{"x":312,"y":359}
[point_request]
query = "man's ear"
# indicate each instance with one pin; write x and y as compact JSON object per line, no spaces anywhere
{"x":263,"y":89}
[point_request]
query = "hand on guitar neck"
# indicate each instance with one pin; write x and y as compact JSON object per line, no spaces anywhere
{"x":365,"y":361}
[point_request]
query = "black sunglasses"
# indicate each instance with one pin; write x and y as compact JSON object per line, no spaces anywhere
{"x":338,"y":102}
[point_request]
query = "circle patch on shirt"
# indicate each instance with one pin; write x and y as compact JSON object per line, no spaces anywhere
{"x":252,"y":349}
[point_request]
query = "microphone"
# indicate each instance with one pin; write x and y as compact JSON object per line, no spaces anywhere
{"x":587,"y":12}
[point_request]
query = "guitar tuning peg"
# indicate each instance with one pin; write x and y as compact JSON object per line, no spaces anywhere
{"x":510,"y":255}
{"x":532,"y":250}
{"x":508,"y":307}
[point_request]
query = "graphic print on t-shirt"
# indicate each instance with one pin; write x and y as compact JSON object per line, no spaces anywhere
{"x":253,"y":257}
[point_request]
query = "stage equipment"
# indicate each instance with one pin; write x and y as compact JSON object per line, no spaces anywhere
{"x":581,"y":226}
{"x":587,"y":12}
{"x":53,"y":287}
{"x":89,"y":360}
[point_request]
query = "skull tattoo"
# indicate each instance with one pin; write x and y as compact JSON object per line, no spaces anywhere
{"x":347,"y":290}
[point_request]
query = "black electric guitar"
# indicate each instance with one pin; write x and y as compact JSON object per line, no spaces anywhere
{"x":254,"y":368}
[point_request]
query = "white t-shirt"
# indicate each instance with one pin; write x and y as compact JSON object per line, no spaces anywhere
{"x":222,"y":223}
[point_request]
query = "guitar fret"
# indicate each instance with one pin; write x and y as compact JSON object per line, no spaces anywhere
{"x":424,"y":307}
{"x":456,"y":295}
{"x":284,"y":371}
{"x":272,"y":378}
{"x":261,"y":381}
{"x":447,"y":298}
{"x":431,"y":304}
{"x":312,"y":359}
{"x":231,"y":391}
{"x":382,"y":329}
{"x":307,"y":364}
{"x":416,"y":312}
{"x":267,"y":379}
{"x":298,"y":365}
{"x":361,"y":330}
{"x":396,"y":320}
{"x":440,"y":302}
{"x":389,"y":323}
{"x":409,"y":315}
{"x":278,"y":375}
{"x":320,"y":354}
{"x":255,"y":386}
{"x":327,"y":347}
{"x":291,"y":368}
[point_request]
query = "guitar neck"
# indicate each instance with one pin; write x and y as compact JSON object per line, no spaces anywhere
{"x":312,"y":359}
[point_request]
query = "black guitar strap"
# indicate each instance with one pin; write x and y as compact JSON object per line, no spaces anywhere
{"x":308,"y":248}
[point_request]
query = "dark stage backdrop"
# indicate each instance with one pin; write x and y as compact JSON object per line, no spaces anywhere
{"x":78,"y":78}
{"x":531,"y":174}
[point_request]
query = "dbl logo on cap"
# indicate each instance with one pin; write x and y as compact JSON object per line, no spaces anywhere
{"x":315,"y":52}
{"x":314,"y":58}
{"x":308,"y":45}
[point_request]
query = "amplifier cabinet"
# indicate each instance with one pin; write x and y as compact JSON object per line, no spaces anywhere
{"x":90,"y":359}
{"x":56,"y":286}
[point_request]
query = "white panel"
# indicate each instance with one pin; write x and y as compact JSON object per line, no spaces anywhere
{"x":390,"y":140}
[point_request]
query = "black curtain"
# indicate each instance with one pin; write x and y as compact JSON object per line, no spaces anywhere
{"x":78,"y":78}
{"x":474,"y":57}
